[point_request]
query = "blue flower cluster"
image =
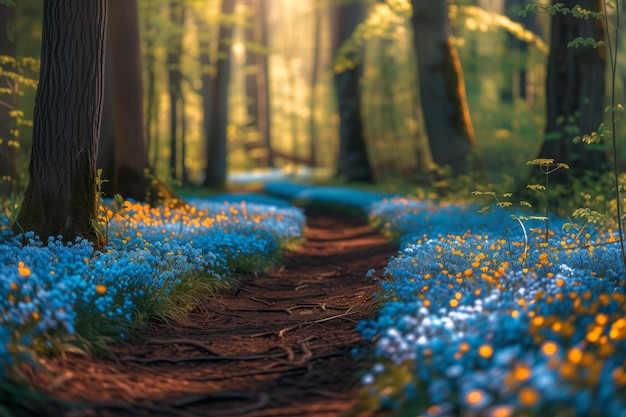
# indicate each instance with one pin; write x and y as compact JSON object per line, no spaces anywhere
{"x":478,"y":321}
{"x":488,"y":315}
{"x":157,"y":261}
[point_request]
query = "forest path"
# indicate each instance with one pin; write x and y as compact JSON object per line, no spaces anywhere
{"x":278,"y":346}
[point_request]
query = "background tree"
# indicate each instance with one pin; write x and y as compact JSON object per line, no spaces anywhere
{"x":61,"y":195}
{"x":8,"y":154}
{"x":353,"y":160}
{"x":575,"y":93}
{"x":123,"y":146}
{"x":177,"y":105}
{"x":215,"y":104}
{"x":257,"y":81}
{"x":442,"y":86}
{"x":315,"y":77}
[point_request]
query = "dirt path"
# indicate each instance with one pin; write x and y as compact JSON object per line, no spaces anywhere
{"x":279,"y":346}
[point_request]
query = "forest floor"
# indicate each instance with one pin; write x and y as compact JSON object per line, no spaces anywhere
{"x":278,"y":345}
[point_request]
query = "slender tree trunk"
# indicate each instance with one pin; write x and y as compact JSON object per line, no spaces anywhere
{"x":251,"y":69}
{"x":216,"y":107}
{"x":315,"y":62}
{"x":518,"y":88}
{"x":575,"y":93}
{"x":61,"y":195}
{"x":442,"y":86}
{"x":152,"y":133}
{"x":353,"y":163}
{"x":8,"y":141}
{"x":263,"y":81}
{"x":256,"y":79}
{"x":177,"y":17}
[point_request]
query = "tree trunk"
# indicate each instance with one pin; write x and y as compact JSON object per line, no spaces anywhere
{"x":216,"y":107}
{"x":177,"y":166}
{"x":263,"y":81}
{"x":442,"y":86}
{"x":61,"y":195}
{"x":315,"y":62}
{"x":125,"y":88}
{"x":8,"y":163}
{"x":152,"y":131}
{"x":353,"y":163}
{"x":256,"y":79}
{"x":575,"y":93}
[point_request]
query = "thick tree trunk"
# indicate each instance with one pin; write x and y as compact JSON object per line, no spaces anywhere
{"x":575,"y":93}
{"x":353,"y":163}
{"x":216,"y":107}
{"x":61,"y":194}
{"x":442,"y":87}
{"x":8,"y":163}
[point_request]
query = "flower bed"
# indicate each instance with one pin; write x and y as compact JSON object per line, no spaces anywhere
{"x":484,"y":318}
{"x":478,"y":323}
{"x":159,"y":261}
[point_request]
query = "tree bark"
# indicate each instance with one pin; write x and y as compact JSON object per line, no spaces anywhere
{"x":177,"y":163}
{"x":216,"y":107}
{"x":575,"y":93}
{"x":8,"y":163}
{"x":442,"y":86}
{"x":353,"y":161}
{"x":61,"y":195}
{"x":257,"y":86}
{"x":126,"y":125}
{"x":315,"y":62}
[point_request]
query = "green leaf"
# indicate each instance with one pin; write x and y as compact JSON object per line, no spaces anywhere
{"x":536,"y":187}
{"x":491,"y":193}
{"x":540,"y":161}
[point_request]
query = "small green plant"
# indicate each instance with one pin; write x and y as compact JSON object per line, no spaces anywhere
{"x":547,"y":167}
{"x":502,"y":202}
{"x":612,"y":27}
{"x":105,"y":214}
{"x":12,"y":209}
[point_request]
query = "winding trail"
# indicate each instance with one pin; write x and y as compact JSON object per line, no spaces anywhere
{"x":278,"y":346}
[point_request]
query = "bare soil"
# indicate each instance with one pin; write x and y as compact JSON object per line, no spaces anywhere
{"x":279,"y":345}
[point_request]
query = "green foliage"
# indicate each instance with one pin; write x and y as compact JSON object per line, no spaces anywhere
{"x":476,"y":18}
{"x":577,"y":11}
{"x":106,"y":213}
{"x":502,"y":201}
{"x":547,"y":167}
{"x":577,"y":42}
{"x":382,"y":22}
{"x":7,"y":3}
{"x":585,"y":213}
{"x":18,"y":73}
{"x":11,"y":207}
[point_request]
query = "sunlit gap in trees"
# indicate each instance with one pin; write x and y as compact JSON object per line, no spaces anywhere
{"x":303,"y":118}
